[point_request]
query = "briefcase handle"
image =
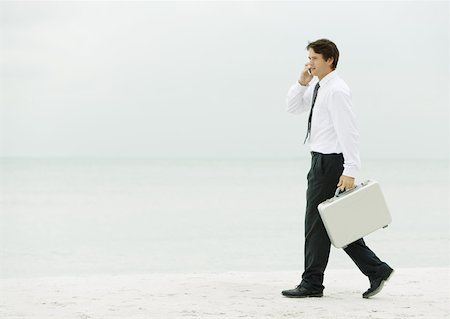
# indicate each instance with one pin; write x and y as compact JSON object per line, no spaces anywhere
{"x":348,"y":191}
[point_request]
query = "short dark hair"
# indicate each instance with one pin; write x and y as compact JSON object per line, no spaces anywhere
{"x":327,"y":48}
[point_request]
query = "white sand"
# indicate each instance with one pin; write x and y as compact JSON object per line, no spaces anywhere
{"x":411,"y":293}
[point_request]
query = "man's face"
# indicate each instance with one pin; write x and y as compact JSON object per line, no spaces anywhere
{"x":319,"y":67}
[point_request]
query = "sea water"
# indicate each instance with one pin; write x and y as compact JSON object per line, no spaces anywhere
{"x":89,"y":216}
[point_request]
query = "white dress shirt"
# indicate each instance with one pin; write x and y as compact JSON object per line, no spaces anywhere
{"x":333,"y":126}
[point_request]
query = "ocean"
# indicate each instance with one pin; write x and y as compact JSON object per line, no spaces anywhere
{"x":116,"y":216}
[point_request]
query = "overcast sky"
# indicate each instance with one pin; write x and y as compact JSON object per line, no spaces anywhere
{"x":209,"y":79}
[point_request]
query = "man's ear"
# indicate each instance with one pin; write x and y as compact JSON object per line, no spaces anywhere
{"x":330,"y":61}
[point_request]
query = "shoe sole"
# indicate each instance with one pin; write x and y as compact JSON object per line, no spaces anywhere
{"x":376,"y":291}
{"x":308,"y":296}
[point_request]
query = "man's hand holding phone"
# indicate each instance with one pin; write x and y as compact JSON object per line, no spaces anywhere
{"x":305,"y":75}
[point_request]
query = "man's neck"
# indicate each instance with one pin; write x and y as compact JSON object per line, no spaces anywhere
{"x":325,"y":74}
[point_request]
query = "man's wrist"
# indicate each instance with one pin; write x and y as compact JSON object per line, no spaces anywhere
{"x":302,"y":84}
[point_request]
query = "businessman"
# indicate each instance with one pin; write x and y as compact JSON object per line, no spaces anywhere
{"x":332,"y":136}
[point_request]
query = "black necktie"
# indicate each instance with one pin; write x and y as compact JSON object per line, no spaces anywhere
{"x":308,"y":133}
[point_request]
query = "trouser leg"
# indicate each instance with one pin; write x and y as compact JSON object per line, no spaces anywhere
{"x":366,"y":260}
{"x":322,"y":180}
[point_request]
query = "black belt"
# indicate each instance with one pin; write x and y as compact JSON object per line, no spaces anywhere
{"x":331,"y":154}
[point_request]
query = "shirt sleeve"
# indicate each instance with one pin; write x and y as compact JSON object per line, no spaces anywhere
{"x":344,"y":123}
{"x":297,"y":97}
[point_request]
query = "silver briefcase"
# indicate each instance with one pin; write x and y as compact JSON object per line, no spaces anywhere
{"x":355,"y":213}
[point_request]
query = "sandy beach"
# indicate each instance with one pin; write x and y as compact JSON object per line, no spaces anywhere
{"x":411,"y":293}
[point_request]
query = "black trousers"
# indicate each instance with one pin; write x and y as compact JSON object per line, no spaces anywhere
{"x":323,"y":178}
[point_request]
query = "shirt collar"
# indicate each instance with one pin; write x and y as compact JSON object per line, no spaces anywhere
{"x":328,"y":77}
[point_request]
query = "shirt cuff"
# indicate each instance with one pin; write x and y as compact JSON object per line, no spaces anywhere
{"x":302,"y":86}
{"x":350,"y":171}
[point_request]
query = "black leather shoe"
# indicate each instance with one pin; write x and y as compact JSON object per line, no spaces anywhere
{"x":301,"y":292}
{"x":377,"y":284}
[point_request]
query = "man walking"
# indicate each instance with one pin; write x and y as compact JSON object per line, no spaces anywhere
{"x":333,"y":138}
